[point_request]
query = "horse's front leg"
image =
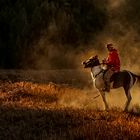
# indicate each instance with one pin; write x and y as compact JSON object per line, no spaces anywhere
{"x":104,"y":100}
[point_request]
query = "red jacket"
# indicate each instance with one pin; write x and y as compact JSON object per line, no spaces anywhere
{"x":113,"y":60}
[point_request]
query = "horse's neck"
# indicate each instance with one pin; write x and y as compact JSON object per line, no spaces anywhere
{"x":96,"y":70}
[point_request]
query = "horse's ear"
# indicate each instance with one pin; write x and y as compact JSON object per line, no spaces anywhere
{"x":96,"y":56}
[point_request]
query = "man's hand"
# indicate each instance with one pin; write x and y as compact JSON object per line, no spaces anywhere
{"x":104,"y":61}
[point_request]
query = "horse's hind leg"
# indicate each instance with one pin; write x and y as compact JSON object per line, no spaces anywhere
{"x":104,"y":100}
{"x":128,"y":95}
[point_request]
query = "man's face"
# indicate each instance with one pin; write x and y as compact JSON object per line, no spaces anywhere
{"x":109,"y":48}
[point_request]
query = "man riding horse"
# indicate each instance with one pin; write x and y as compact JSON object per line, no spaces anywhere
{"x":113,"y":65}
{"x":99,"y":75}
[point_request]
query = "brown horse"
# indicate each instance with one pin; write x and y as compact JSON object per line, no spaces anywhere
{"x":125,"y":79}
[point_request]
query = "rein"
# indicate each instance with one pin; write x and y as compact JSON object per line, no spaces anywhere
{"x":96,"y":96}
{"x":99,"y":73}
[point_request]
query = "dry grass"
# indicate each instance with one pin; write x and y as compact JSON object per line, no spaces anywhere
{"x":38,"y":111}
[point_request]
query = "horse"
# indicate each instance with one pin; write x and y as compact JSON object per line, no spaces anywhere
{"x":124,"y":78}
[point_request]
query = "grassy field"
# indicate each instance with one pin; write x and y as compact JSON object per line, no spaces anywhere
{"x":59,"y":105}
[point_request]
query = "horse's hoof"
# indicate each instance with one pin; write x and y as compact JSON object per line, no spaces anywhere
{"x":107,"y":109}
{"x":125,"y":110}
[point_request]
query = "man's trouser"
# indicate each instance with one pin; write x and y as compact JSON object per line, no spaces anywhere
{"x":107,"y":78}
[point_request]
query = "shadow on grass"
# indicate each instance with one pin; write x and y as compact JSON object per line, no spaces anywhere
{"x":62,"y":124}
{"x":18,"y":96}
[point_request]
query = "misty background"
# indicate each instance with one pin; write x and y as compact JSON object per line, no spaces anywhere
{"x":60,"y":34}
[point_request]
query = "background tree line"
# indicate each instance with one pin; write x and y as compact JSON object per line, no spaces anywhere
{"x":67,"y":23}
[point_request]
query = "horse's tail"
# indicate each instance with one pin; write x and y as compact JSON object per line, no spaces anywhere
{"x":137,"y":77}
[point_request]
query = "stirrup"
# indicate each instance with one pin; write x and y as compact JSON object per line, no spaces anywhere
{"x":106,"y":89}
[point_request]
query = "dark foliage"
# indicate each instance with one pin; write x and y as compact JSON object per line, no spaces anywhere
{"x":65,"y":22}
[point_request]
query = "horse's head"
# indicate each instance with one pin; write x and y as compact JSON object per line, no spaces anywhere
{"x":91,"y":62}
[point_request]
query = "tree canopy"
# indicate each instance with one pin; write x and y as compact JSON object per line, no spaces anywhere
{"x":64,"y":22}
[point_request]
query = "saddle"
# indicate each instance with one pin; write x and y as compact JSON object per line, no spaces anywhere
{"x":115,"y":76}
{"x":113,"y":79}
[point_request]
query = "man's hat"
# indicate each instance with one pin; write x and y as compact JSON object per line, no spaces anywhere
{"x":109,"y":45}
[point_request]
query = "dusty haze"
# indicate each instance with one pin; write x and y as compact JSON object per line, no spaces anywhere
{"x":125,"y":39}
